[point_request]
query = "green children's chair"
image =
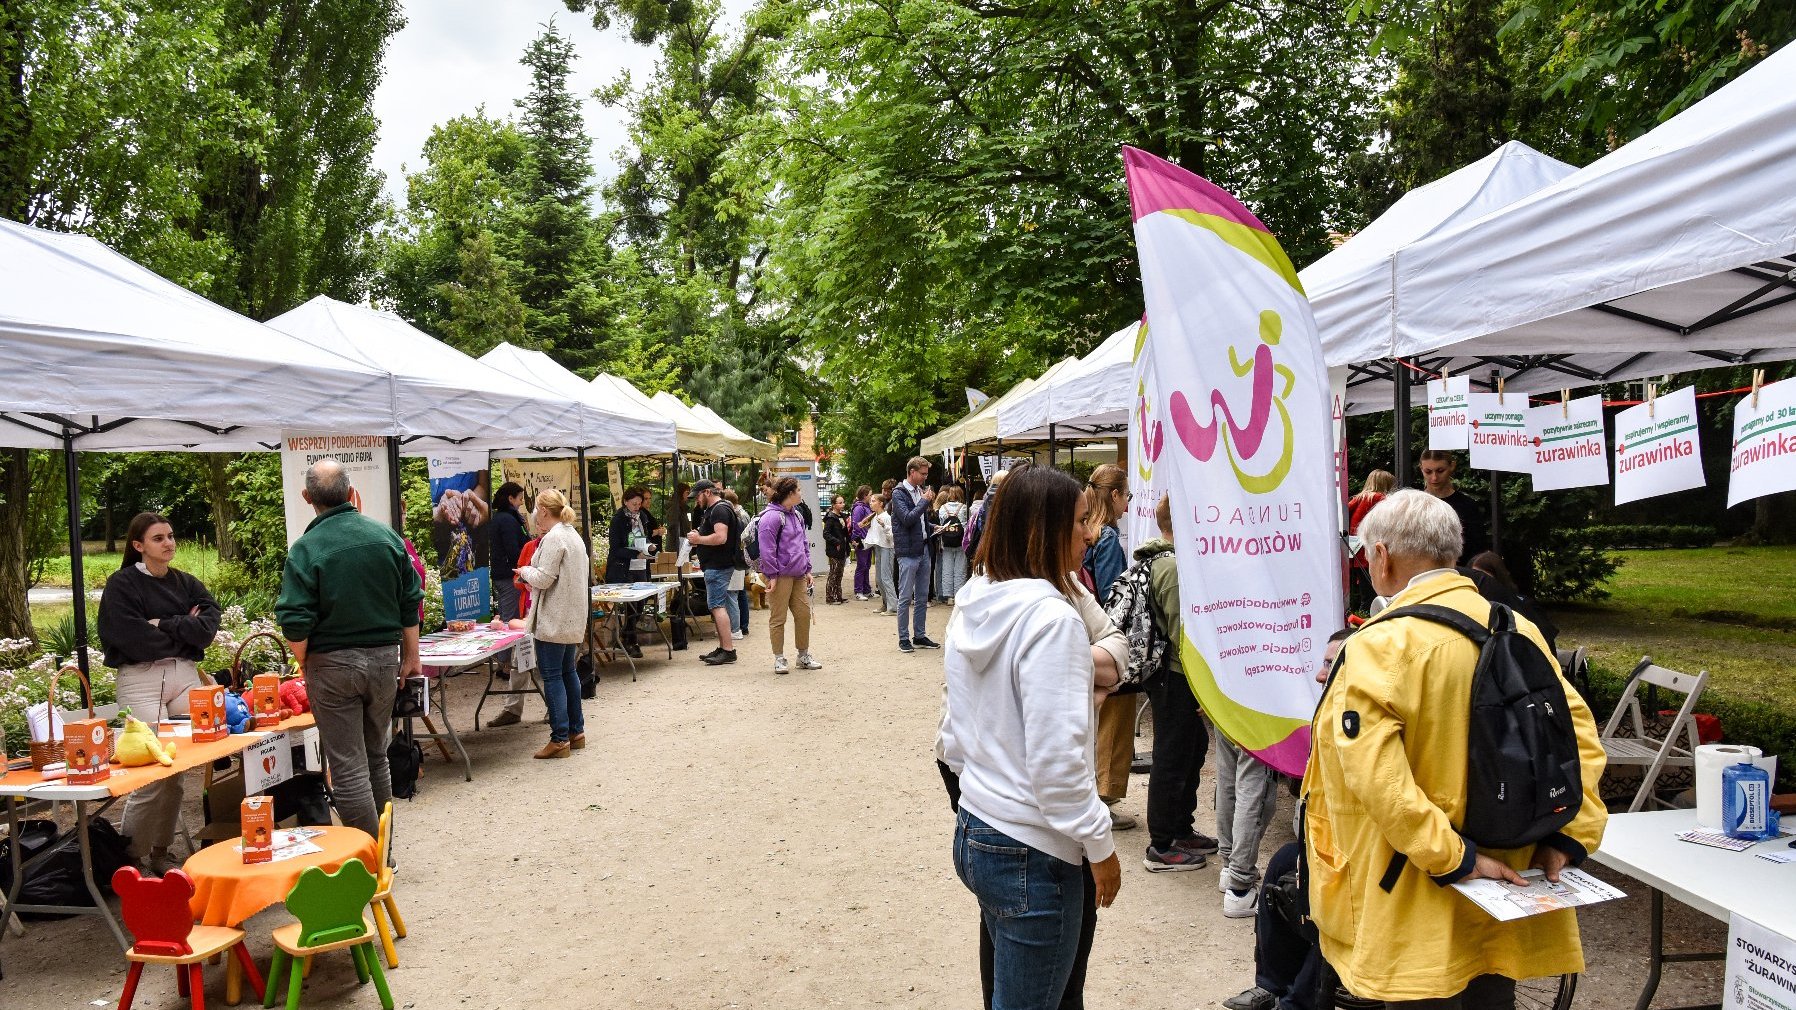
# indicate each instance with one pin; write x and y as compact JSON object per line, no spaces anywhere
{"x":332,"y":912}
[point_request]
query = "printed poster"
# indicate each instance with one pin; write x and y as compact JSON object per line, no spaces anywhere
{"x":535,"y":474}
{"x":1233,"y":421}
{"x":1449,"y":416}
{"x":364,"y":457}
{"x":1761,"y":967}
{"x":461,"y":529}
{"x":1499,"y":425}
{"x":1763,"y":460}
{"x":1568,"y":444}
{"x":1657,"y":448}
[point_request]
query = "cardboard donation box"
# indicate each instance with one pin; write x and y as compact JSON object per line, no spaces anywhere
{"x":87,"y":750}
{"x":206,"y":707}
{"x":257,"y":814}
{"x":265,"y":700}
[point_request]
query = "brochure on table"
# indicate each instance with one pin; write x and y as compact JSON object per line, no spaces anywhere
{"x":1507,"y":902}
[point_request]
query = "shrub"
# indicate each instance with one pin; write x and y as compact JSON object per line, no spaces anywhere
{"x":1646,"y":537}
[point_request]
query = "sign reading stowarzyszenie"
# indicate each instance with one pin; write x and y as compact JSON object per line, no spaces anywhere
{"x":1232,"y":420}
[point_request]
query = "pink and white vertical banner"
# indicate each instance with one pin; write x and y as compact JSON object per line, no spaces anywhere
{"x":1233,"y":420}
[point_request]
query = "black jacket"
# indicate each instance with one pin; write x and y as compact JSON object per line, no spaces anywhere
{"x":617,"y":563}
{"x":835,"y":534}
{"x":509,"y":538}
{"x":133,"y":598}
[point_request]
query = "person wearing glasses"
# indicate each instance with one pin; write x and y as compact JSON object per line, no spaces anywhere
{"x":1107,"y":501}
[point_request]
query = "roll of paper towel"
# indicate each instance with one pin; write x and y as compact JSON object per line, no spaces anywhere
{"x":1711,"y":758}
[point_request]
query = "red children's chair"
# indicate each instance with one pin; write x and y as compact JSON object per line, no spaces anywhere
{"x":156,"y":911}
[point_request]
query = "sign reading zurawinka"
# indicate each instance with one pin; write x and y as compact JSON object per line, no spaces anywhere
{"x":1656,"y":447}
{"x":1763,"y":460}
{"x":1232,"y":419}
{"x":1500,"y":432}
{"x":1568,"y":444}
{"x":1449,"y":421}
{"x":364,"y":458}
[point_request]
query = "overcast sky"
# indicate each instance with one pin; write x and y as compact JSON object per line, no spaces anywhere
{"x":454,"y":55}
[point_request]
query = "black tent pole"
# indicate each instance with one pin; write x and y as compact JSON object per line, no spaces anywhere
{"x":394,"y":487}
{"x":1053,"y":446}
{"x":1496,"y":494}
{"x":1400,"y":421}
{"x":585,"y":501}
{"x":71,"y":472}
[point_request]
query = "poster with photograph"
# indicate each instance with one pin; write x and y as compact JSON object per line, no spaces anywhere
{"x":1449,"y":420}
{"x":1568,"y":444}
{"x":534,"y":475}
{"x":461,"y":532}
{"x":1657,"y":449}
{"x":364,"y":458}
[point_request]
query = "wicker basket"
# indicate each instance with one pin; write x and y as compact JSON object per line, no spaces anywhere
{"x":45,"y":753}
{"x":240,"y":679}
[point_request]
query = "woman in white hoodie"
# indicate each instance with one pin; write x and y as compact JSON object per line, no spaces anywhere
{"x":1019,"y":734}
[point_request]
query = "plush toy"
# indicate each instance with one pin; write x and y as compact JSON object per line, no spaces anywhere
{"x":237,"y":715}
{"x":293,"y":698}
{"x":138,"y":745}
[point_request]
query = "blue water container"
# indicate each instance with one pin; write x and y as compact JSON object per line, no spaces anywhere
{"x":1746,"y":802}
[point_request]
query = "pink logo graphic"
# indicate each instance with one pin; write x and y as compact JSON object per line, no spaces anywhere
{"x":1200,"y":439}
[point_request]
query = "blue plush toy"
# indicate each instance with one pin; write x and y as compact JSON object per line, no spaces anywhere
{"x":237,"y":717}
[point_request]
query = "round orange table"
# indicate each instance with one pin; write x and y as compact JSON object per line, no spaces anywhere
{"x":226,"y":890}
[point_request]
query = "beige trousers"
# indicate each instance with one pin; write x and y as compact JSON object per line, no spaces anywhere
{"x":1115,"y":745}
{"x":152,"y":691}
{"x":788,"y":595}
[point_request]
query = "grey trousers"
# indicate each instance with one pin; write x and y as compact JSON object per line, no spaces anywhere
{"x":1246,"y":802}
{"x":152,"y":691}
{"x":351,"y":691}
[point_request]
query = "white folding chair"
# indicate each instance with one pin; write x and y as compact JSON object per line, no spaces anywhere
{"x":1646,"y":752}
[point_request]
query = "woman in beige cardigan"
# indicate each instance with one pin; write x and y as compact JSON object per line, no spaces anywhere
{"x":559,"y":573}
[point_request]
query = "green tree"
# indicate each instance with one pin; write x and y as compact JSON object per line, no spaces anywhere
{"x":484,"y":310}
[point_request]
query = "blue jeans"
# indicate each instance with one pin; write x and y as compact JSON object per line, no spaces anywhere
{"x":1030,"y":904}
{"x":913,"y":596}
{"x":741,"y":613}
{"x":561,"y":689}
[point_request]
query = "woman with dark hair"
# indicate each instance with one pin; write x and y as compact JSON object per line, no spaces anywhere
{"x":1031,"y":836}
{"x":511,"y":531}
{"x":786,"y":565}
{"x":155,"y":624}
{"x":628,"y":560}
{"x":835,"y":547}
{"x":860,"y":519}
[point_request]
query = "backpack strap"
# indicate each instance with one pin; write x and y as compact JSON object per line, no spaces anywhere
{"x":1459,"y":622}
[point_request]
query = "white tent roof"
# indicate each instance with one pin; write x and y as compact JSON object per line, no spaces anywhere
{"x":719,"y":442}
{"x":756,"y":448}
{"x":131,"y":359}
{"x":1351,"y":288}
{"x":516,"y":414}
{"x":981,"y":426}
{"x":1090,"y":398}
{"x":1675,"y":252}
{"x":628,"y":430}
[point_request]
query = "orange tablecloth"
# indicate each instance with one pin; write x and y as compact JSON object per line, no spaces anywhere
{"x":188,"y":756}
{"x":226,"y":891}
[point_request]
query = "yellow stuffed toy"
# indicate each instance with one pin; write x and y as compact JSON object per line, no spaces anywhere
{"x":138,"y":745}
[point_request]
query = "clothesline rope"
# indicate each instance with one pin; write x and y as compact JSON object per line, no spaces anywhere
{"x":1544,"y":401}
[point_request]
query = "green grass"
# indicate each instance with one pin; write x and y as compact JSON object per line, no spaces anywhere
{"x":1727,"y":610}
{"x":197,"y":560}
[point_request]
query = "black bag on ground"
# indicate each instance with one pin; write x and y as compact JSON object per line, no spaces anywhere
{"x":589,"y":678}
{"x":1524,"y":778}
{"x":57,"y":880}
{"x":404,"y":758}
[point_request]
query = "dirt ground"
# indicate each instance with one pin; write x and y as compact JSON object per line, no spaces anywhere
{"x":736,"y":839}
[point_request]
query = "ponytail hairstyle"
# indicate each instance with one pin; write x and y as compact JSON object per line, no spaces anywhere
{"x":140,"y":527}
{"x":556,"y":503}
{"x":1099,"y":499}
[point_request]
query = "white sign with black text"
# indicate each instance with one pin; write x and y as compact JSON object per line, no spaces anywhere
{"x":1761,"y":968}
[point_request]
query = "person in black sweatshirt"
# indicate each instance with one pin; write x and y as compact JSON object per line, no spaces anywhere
{"x":511,"y":531}
{"x":155,"y":624}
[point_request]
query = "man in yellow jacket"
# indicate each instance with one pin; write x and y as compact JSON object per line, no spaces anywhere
{"x":1387,"y":778}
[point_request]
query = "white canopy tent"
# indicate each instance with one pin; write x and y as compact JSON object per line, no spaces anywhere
{"x":632,"y":429}
{"x":720,"y":444}
{"x":1091,"y":398}
{"x":1675,"y":252}
{"x":979,"y":429}
{"x":756,"y":448}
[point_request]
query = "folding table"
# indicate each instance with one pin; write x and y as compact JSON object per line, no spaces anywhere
{"x":447,"y":654}
{"x":620,"y":595}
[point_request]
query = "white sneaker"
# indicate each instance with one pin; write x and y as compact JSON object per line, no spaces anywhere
{"x":1241,"y":906}
{"x":779,"y":663}
{"x":807,"y":662}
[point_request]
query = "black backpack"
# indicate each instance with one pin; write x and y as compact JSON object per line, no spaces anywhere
{"x":1524,"y":777}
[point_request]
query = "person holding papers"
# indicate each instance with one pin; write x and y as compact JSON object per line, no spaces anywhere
{"x":631,"y":549}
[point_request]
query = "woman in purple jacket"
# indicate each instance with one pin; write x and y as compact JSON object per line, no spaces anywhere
{"x":786,"y":565}
{"x":859,"y":521}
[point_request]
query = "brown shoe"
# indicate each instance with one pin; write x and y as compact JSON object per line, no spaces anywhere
{"x":577,"y":741}
{"x":554,"y":750}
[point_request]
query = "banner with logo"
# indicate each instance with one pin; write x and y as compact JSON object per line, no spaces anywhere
{"x":1568,"y":444}
{"x":364,"y":458}
{"x":1764,"y":458}
{"x":461,"y":531}
{"x":1233,"y":422}
{"x":1449,"y":422}
{"x":1147,"y":443}
{"x":1499,"y":432}
{"x":1657,"y":447}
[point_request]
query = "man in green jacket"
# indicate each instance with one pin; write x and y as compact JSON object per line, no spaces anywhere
{"x":1180,"y":739}
{"x":349,"y":608}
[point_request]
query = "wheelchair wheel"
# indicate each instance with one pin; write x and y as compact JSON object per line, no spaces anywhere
{"x":1546,"y":993}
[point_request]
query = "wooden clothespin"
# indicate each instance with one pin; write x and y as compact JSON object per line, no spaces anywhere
{"x":1565,"y":403}
{"x":1500,"y":402}
{"x":1652,"y":395}
{"x":1758,"y":382}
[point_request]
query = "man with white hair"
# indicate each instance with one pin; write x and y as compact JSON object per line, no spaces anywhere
{"x":1385,"y":792}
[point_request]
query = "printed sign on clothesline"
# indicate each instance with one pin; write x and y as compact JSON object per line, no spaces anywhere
{"x":1449,"y":419}
{"x":1568,"y":444}
{"x":1500,"y":432}
{"x":1763,"y":460}
{"x":1657,"y":447}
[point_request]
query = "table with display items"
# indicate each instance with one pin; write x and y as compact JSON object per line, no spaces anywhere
{"x":447,"y":654}
{"x":619,"y":601}
{"x":25,"y":791}
{"x":1716,"y":882}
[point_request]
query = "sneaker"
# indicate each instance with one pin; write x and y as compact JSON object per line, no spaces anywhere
{"x":1241,"y":906}
{"x":1253,"y":999}
{"x":923,"y":642}
{"x":1120,"y":821}
{"x":1199,"y":844}
{"x":632,"y":650}
{"x":808,"y":662}
{"x":721,"y":657}
{"x":881,"y":612}
{"x":1171,"y":860}
{"x":861,"y":597}
{"x":906,"y":647}
{"x":779,"y":665}
{"x":738,"y":632}
{"x":706,"y":658}
{"x":503,"y":719}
